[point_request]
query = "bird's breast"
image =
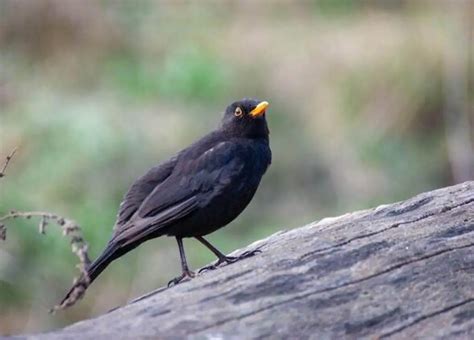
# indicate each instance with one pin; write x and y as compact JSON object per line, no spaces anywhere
{"x":225,"y":187}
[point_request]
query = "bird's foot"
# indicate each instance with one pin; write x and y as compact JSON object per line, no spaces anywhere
{"x":186,"y":276}
{"x":230,"y":259}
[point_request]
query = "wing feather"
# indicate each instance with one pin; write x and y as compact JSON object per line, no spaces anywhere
{"x":209,"y":172}
{"x":140,"y":229}
{"x":141,"y":188}
{"x":191,"y":183}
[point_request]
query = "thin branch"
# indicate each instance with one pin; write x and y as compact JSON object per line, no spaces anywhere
{"x":70,"y":229}
{"x":7,"y":161}
{"x":78,"y":245}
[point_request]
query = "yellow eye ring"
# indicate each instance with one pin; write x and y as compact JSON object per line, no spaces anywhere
{"x":238,"y":112}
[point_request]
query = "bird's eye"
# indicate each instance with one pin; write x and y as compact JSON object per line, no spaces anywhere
{"x":238,"y":112}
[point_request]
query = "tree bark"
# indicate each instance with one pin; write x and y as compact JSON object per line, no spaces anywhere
{"x":402,"y":271}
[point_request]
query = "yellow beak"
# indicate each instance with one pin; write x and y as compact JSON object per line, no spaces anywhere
{"x":259,"y":110}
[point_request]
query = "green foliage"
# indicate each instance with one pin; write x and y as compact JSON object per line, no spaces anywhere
{"x":194,"y":74}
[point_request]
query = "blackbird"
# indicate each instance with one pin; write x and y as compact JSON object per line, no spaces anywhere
{"x":199,"y":190}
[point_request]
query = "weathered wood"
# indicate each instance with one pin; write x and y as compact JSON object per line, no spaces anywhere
{"x":402,"y":270}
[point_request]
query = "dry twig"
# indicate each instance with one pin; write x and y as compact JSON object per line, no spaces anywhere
{"x":7,"y":161}
{"x":78,"y":245}
{"x":69,"y":228}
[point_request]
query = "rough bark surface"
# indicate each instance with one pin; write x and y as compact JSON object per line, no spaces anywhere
{"x":402,"y":271}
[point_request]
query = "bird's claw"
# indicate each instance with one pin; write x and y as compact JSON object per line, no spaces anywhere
{"x":186,"y":276}
{"x":248,"y":253}
{"x":209,"y":267}
{"x":230,"y":259}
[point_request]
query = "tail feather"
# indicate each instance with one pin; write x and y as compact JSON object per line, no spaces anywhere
{"x":79,"y":287}
{"x":114,"y":250}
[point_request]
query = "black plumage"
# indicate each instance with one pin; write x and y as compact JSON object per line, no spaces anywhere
{"x":199,"y":190}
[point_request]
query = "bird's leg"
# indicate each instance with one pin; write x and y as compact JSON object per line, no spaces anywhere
{"x":221,"y":257}
{"x":187,"y":274}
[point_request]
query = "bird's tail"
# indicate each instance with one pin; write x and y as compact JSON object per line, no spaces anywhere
{"x":79,"y":287}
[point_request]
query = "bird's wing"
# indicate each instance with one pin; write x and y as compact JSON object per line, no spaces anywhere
{"x":139,"y":230}
{"x":194,"y":176}
{"x":194,"y":180}
{"x":141,"y":188}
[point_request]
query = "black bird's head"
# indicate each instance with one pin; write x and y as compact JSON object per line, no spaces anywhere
{"x":246,"y":118}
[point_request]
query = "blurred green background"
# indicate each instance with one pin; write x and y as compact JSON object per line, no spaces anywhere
{"x":371,"y":102}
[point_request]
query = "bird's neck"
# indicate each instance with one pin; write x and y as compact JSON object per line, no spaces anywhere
{"x":256,"y":131}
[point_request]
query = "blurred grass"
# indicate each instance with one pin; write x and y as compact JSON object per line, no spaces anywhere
{"x":94,"y":93}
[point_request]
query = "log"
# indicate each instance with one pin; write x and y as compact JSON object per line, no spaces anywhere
{"x":401,"y":271}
